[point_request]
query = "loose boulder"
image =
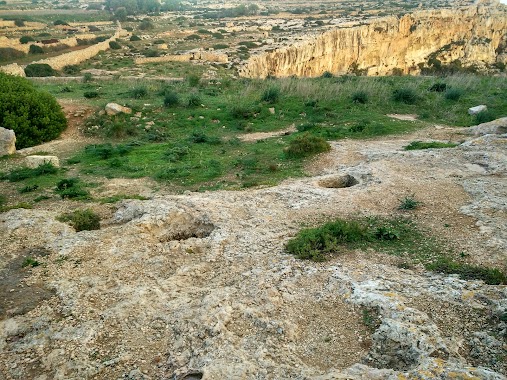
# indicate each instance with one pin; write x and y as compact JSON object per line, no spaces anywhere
{"x":36,"y":161}
{"x":495,"y":127}
{"x":7,"y":141}
{"x":338,"y":182}
{"x":115,"y":109}
{"x":477,"y":109}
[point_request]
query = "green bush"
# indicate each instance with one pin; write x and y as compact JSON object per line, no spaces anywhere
{"x":453,"y":94}
{"x":360,"y":97}
{"x":20,"y":174}
{"x":26,"y":39}
{"x":194,"y":100}
{"x":405,"y":95}
{"x":271,"y":95}
{"x":193,"y":37}
{"x":490,"y":276}
{"x":139,"y":92}
{"x":82,"y":220}
{"x":60,"y":22}
{"x":35,"y":49}
{"x":135,"y":38}
{"x":71,"y":69}
{"x":91,"y":94}
{"x":146,"y":25}
{"x":438,"y":87}
{"x":220,"y":46}
{"x":171,"y":98}
{"x":40,"y":70}
{"x":193,"y":80}
{"x":409,"y":203}
{"x":114,"y":45}
{"x":306,"y":145}
{"x":70,"y":188}
{"x":33,"y":115}
{"x":315,"y":243}
{"x":327,"y":74}
{"x":484,"y":117}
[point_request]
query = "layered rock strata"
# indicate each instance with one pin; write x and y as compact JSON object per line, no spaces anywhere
{"x":471,"y":36}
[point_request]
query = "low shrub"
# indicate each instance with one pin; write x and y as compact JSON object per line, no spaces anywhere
{"x":177,"y":153}
{"x":21,"y":174}
{"x":71,"y":69}
{"x":82,"y":220}
{"x":409,"y":203}
{"x":271,"y":95}
{"x":438,"y":87}
{"x":220,"y":46}
{"x":26,"y":39}
{"x":306,"y":145}
{"x":193,"y":80}
{"x":415,"y":145}
{"x":146,"y":25}
{"x":194,"y":100}
{"x":315,"y":243}
{"x":134,"y":38}
{"x":106,"y":151}
{"x":360,"y":97}
{"x":327,"y":74}
{"x":35,"y":49}
{"x":28,"y":189}
{"x":453,"y":94}
{"x":199,"y":137}
{"x":30,"y":262}
{"x":405,"y":95}
{"x":7,"y":54}
{"x":91,"y":94}
{"x":114,"y":45}
{"x":490,"y":276}
{"x":171,"y":98}
{"x":139,"y":92}
{"x":40,"y":70}
{"x":193,"y":37}
{"x":484,"y":117}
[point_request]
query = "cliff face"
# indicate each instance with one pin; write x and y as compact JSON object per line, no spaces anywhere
{"x":474,"y":35}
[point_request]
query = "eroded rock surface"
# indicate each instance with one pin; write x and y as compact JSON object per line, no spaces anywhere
{"x":198,"y":285}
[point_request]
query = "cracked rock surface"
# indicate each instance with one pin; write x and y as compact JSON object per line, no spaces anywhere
{"x":199,"y":286}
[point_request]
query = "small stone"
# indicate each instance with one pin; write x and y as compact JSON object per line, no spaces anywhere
{"x":475,"y":110}
{"x":272,"y":110}
{"x":115,"y":109}
{"x":7,"y":141}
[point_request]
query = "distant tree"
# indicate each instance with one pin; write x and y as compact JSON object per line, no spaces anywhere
{"x":35,"y":49}
{"x":121,"y":14}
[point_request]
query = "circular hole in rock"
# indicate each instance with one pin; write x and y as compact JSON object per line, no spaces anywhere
{"x":338,"y":182}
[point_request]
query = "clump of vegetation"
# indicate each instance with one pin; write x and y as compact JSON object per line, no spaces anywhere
{"x":26,"y":39}
{"x":360,"y":97}
{"x":327,"y":74}
{"x":30,"y":262}
{"x":139,"y":92}
{"x":82,"y":220}
{"x":453,"y":94}
{"x":36,"y":49}
{"x":146,"y":25}
{"x":307,"y":145}
{"x":171,"y":98}
{"x":415,"y":145}
{"x":71,"y":69}
{"x":438,"y":87}
{"x":134,"y":38}
{"x":484,"y":117}
{"x":91,"y":94}
{"x":21,"y":174}
{"x":114,"y":45}
{"x":40,"y":70}
{"x":106,"y":151}
{"x":193,"y":80}
{"x":194,"y":100}
{"x":87,"y":77}
{"x":409,"y":203}
{"x":491,"y":276}
{"x":405,"y":95}
{"x":28,"y":189}
{"x":71,"y":188}
{"x":33,"y":115}
{"x":271,"y":95}
{"x":315,"y":243}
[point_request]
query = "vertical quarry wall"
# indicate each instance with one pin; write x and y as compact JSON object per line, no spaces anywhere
{"x":474,"y":35}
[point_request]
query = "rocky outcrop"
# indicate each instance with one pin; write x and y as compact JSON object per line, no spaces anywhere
{"x":7,"y":141}
{"x":474,"y":35}
{"x":115,"y":109}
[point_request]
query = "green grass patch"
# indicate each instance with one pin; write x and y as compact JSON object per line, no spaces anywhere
{"x":491,"y":276}
{"x":21,"y":174}
{"x":416,"y":145}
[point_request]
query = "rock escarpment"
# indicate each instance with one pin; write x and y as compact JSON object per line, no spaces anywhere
{"x":471,"y":36}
